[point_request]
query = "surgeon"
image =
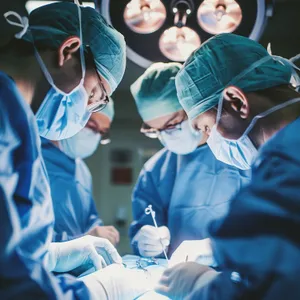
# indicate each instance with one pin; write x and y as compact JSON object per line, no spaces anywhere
{"x":241,"y":96}
{"x":71,"y":182}
{"x":63,"y":63}
{"x":185,"y":184}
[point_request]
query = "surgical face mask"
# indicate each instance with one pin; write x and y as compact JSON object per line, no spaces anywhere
{"x":61,"y":115}
{"x":239,"y":153}
{"x":182,"y":139}
{"x":81,"y":145}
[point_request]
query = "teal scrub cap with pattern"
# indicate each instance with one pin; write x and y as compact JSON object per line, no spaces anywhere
{"x":224,"y":60}
{"x":155,"y":93}
{"x":51,"y":24}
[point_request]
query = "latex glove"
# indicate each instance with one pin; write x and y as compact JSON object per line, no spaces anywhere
{"x":181,"y":280}
{"x":152,"y":241}
{"x":107,"y":232}
{"x":198,"y":250}
{"x":85,"y":252}
{"x":116,"y":282}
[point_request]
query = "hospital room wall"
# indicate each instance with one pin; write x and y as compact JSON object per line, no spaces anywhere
{"x":125,"y":135}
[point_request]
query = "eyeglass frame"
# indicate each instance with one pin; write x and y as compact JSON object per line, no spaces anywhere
{"x":153,"y":133}
{"x":90,"y":107}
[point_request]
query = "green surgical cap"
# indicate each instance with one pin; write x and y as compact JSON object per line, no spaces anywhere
{"x":50,"y":25}
{"x":155,"y":92}
{"x":217,"y":64}
{"x":109,"y":110}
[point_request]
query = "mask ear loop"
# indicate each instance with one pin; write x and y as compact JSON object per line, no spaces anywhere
{"x":82,"y":59}
{"x":236,"y":79}
{"x":220,"y":106}
{"x":270,"y":111}
{"x":245,"y":72}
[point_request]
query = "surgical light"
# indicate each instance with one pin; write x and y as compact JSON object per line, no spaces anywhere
{"x":219,"y":16}
{"x":179,"y":41}
{"x":145,"y":16}
{"x":164,"y":30}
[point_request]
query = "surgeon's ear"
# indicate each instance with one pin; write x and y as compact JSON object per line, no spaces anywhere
{"x":66,"y":50}
{"x":238,"y":100}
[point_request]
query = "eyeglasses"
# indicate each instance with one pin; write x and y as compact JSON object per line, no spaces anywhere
{"x":105,"y":139}
{"x":101,"y":103}
{"x":103,"y":99}
{"x":153,"y":133}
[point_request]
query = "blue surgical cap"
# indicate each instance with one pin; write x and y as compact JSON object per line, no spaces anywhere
{"x":109,"y":110}
{"x":217,"y":64}
{"x":51,"y":24}
{"x":155,"y":92}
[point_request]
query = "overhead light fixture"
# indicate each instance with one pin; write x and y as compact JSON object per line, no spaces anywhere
{"x":178,"y":42}
{"x":183,"y":26}
{"x":219,"y":16}
{"x":145,"y":16}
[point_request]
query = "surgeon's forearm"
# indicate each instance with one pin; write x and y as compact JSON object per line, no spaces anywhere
{"x":214,"y":286}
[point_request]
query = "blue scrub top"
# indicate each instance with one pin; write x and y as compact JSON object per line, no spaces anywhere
{"x":26,"y":211}
{"x":259,"y":238}
{"x":187,"y":192}
{"x":71,"y":190}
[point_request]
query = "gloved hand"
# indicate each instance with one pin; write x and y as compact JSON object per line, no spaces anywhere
{"x":85,"y":252}
{"x":152,"y":241}
{"x":107,"y":232}
{"x":116,"y":282}
{"x":181,"y":280}
{"x":198,"y":250}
